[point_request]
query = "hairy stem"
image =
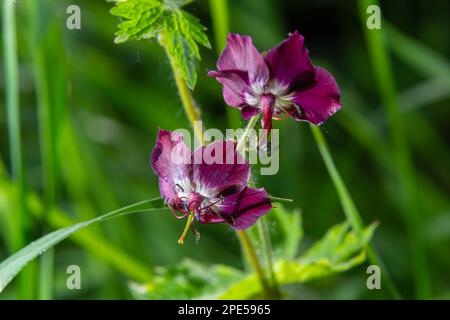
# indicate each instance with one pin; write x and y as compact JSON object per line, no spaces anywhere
{"x":267,"y":248}
{"x":248,"y":129}
{"x":252,"y":258}
{"x":190,"y":108}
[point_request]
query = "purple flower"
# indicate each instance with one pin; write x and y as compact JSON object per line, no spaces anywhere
{"x":209,"y":184}
{"x":279,"y":84}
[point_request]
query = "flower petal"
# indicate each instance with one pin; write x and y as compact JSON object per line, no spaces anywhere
{"x":167,"y":191}
{"x":210,"y":217}
{"x":289,"y":62}
{"x":235,"y":85}
{"x":319,"y":101}
{"x":247,"y":112}
{"x":241,"y":54}
{"x":243,"y":209}
{"x":219,"y":169}
{"x":170,"y":160}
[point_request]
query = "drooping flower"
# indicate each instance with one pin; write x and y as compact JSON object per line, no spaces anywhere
{"x":209,"y":184}
{"x":281,"y":83}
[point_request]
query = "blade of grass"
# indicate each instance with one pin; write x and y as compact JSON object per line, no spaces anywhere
{"x":26,"y":282}
{"x":349,"y":207}
{"x":220,"y":20}
{"x":417,"y":55}
{"x":37,"y":36}
{"x":400,"y":151}
{"x":10,"y":267}
{"x":93,"y":242}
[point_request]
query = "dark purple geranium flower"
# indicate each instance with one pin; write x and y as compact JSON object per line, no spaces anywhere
{"x":282,"y":83}
{"x":209,"y":184}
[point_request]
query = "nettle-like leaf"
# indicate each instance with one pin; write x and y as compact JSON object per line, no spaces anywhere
{"x":339,"y":250}
{"x":177,"y":30}
{"x":187,"y":280}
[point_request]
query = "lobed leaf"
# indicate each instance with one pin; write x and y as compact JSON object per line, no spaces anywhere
{"x":180,"y":32}
{"x":339,"y":250}
{"x":187,"y":280}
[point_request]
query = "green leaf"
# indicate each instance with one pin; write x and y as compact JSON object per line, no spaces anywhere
{"x":144,"y":19}
{"x":183,"y":33}
{"x":339,"y":250}
{"x":187,"y":280}
{"x":180,"y":32}
{"x":10,"y":267}
{"x":177,"y":3}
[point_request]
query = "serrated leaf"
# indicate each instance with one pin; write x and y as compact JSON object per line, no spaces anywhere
{"x":339,"y":250}
{"x":144,"y":19}
{"x":10,"y":267}
{"x":177,"y":3}
{"x":182,"y":33}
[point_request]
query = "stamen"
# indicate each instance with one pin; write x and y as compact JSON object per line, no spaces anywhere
{"x":196,"y":233}
{"x":287,"y":113}
{"x":177,"y":215}
{"x":208,"y":207}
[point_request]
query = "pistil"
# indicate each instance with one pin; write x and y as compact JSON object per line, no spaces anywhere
{"x":186,"y":228}
{"x":267,"y":106}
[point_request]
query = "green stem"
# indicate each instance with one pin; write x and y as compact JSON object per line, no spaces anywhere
{"x":252,"y":258}
{"x":400,"y":152}
{"x":349,"y":207}
{"x":220,"y":20}
{"x":267,"y":248}
{"x":242,"y":140}
{"x":192,"y":112}
{"x":46,"y":137}
{"x":11,"y":66}
{"x":347,"y":203}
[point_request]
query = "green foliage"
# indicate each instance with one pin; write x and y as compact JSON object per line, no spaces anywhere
{"x":285,"y":229}
{"x":339,"y":250}
{"x":178,"y":31}
{"x":187,"y":280}
{"x":15,"y":263}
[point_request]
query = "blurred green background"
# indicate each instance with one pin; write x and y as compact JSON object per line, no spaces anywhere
{"x":106,"y":101}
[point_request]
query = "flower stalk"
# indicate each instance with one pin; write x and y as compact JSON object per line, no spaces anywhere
{"x":267,"y":249}
{"x":192,"y":111}
{"x":194,"y":117}
{"x":252,"y":258}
